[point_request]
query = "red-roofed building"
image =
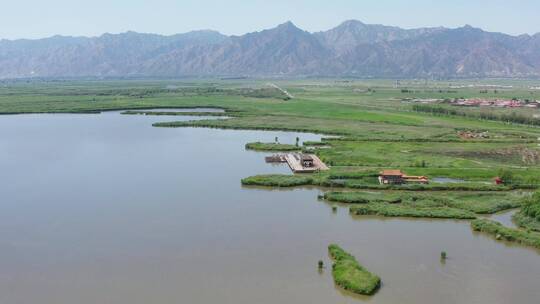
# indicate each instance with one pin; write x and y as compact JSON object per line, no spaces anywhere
{"x":391,"y":177}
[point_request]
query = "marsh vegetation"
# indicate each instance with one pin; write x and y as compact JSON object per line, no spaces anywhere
{"x":350,"y":275}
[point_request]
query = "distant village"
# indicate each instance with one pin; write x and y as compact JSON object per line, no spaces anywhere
{"x":481,"y":102}
{"x":499,"y":103}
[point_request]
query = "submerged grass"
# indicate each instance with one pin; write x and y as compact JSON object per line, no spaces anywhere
{"x":501,"y":232}
{"x":350,"y":275}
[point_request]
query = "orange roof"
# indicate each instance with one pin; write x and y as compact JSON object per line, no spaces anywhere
{"x":392,"y":172}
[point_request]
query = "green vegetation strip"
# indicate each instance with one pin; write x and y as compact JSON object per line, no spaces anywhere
{"x":529,"y":215}
{"x":168,"y":113}
{"x":350,"y":275}
{"x":259,"y":146}
{"x":501,"y":232}
{"x":361,"y":197}
{"x":277,"y":180}
{"x":477,"y":202}
{"x":367,"y":183}
{"x":448,"y":111}
{"x":390,"y":210}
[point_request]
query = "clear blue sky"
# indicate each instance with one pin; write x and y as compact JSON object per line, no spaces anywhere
{"x":42,"y":18}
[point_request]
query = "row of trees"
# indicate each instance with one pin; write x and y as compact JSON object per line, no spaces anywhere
{"x":510,"y":117}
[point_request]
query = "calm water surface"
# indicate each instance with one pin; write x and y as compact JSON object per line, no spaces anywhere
{"x":505,"y":218}
{"x":107,"y":209}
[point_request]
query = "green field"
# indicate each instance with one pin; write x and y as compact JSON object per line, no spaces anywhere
{"x":377,"y":124}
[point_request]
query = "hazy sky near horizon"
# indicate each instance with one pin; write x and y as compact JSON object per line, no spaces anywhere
{"x":39,"y":18}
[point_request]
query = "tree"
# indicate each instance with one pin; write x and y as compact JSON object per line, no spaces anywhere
{"x":506,"y":176}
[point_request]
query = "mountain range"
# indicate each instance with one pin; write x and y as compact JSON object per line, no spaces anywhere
{"x":351,"y":49}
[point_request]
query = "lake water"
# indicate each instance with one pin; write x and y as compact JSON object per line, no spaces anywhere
{"x":107,"y":209}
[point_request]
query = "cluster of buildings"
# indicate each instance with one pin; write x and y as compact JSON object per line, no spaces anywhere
{"x":500,"y":103}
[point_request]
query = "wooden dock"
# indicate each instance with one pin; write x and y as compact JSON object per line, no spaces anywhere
{"x":295,"y":163}
{"x":294,"y":160}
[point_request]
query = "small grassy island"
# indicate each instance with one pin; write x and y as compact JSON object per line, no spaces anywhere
{"x":350,"y":275}
{"x":274,"y":147}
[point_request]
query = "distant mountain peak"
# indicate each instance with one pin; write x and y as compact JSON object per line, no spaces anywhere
{"x":288,"y":26}
{"x":351,"y":22}
{"x":351,"y":49}
{"x":470,"y":28}
{"x":287,"y":23}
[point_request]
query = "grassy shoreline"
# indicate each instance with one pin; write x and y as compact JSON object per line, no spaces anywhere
{"x":501,"y":232}
{"x":392,"y":210}
{"x":158,"y":113}
{"x":476,"y":202}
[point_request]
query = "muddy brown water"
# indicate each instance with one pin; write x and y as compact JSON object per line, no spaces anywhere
{"x":107,"y":209}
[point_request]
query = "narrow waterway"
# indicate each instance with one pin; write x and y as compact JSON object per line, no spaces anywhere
{"x":107,"y":209}
{"x":505,"y":218}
